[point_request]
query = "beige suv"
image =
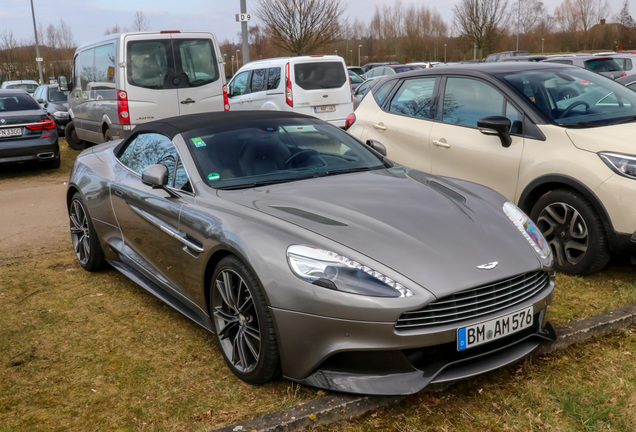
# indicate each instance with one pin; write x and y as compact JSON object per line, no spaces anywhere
{"x":569,"y":162}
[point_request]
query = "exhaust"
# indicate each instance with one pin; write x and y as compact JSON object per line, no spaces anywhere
{"x":46,"y":155}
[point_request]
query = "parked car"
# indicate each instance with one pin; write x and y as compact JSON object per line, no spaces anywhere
{"x":604,"y":65}
{"x":357,"y":69}
{"x":389,"y":70}
{"x":567,"y":162}
{"x":626,"y":62}
{"x":311,"y":255}
{"x":55,"y":102}
{"x":628,"y":81}
{"x":531,"y":58}
{"x":28,"y":86}
{"x":368,"y":66}
{"x":126,"y":79}
{"x":501,"y":56}
{"x":313,"y":85}
{"x":27,"y":133}
{"x":354,"y":79}
{"x":362,"y":90}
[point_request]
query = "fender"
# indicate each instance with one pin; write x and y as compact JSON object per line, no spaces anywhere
{"x":539,"y":186}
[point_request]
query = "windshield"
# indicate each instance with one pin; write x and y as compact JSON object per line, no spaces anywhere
{"x":274,"y":151}
{"x":575,"y":97}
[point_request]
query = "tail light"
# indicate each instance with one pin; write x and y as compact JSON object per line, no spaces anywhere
{"x":226,"y":101}
{"x":351,"y":119}
{"x":42,"y":125}
{"x":289,"y":97}
{"x":122,"y":108}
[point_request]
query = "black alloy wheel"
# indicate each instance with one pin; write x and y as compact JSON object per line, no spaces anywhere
{"x":85,"y":242}
{"x":242,"y":323}
{"x":574,"y":231}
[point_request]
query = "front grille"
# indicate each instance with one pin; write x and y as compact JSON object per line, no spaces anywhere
{"x":475,"y":302}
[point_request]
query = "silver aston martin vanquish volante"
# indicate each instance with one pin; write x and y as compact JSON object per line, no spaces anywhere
{"x":310,"y":255}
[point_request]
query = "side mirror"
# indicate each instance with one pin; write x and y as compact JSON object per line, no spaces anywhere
{"x":377,"y":146}
{"x":62,"y":83}
{"x":496,"y":125}
{"x":155,"y":175}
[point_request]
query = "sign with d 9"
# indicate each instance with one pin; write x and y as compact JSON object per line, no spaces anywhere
{"x":243,"y":17}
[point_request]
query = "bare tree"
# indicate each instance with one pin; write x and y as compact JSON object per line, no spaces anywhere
{"x":52,"y":37}
{"x":529,"y":14}
{"x":301,"y":26}
{"x":8,"y":54}
{"x":140,"y":23}
{"x":67,"y":41}
{"x":114,"y":29}
{"x":624,"y":17}
{"x":481,"y":21}
{"x":572,"y":16}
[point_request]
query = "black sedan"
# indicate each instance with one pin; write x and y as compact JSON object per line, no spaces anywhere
{"x":312,"y":256}
{"x":27,"y":133}
{"x":55,"y":102}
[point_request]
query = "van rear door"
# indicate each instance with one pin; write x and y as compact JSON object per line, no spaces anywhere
{"x":321,"y":88}
{"x":149,"y":59}
{"x":199,"y":77}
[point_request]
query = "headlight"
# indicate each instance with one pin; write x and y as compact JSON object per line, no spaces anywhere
{"x":621,"y":164}
{"x":330,"y":270}
{"x":60,"y":114}
{"x":528,"y":229}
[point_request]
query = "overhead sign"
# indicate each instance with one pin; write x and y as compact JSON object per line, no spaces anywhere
{"x":243,"y":17}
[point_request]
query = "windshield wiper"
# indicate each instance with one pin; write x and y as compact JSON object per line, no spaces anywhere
{"x":261,"y":183}
{"x":345,"y":171}
{"x":625,"y":120}
{"x":581,"y":125}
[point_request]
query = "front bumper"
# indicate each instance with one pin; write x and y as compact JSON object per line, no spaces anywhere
{"x":374,"y":358}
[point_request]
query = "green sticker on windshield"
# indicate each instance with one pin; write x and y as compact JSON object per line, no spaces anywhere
{"x":214,"y":176}
{"x":198,"y":142}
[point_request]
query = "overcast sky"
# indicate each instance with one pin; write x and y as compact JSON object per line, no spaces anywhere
{"x":88,"y":19}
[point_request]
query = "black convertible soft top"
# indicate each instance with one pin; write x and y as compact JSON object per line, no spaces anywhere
{"x":172,"y":126}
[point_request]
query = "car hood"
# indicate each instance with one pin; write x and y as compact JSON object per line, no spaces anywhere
{"x":430,"y":230}
{"x":617,"y":138}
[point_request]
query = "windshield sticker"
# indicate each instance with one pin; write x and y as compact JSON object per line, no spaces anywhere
{"x":198,"y":142}
{"x":214,"y":176}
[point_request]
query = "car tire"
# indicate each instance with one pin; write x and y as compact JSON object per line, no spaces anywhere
{"x":85,"y":242}
{"x":72,"y":139}
{"x":574,"y":231}
{"x":108,"y":136}
{"x":55,"y":163}
{"x":242,"y":322}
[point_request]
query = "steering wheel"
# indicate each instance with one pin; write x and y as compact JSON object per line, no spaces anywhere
{"x":575,"y":104}
{"x":304,"y":153}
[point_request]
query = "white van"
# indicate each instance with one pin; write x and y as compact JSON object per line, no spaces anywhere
{"x":125,"y":79}
{"x":313,"y":85}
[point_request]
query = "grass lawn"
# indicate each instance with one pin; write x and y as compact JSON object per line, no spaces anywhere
{"x":93,"y":351}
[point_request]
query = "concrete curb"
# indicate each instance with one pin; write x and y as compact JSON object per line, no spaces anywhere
{"x":330,"y":409}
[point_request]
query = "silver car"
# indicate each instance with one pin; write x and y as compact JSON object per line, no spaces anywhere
{"x":310,"y":255}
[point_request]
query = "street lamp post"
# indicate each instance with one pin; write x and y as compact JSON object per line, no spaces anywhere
{"x":232,"y":65}
{"x":359,"y":46}
{"x":542,"y":39}
{"x":237,"y":59}
{"x":444,"y":53}
{"x":350,"y":57}
{"x":37,"y":45}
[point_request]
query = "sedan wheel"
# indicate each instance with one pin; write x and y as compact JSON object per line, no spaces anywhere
{"x":85,"y":242}
{"x":242,"y":323}
{"x":573,"y":230}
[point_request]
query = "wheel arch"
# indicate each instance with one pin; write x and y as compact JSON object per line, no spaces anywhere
{"x":542,"y":185}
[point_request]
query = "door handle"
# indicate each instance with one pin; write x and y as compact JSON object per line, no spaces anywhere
{"x":187,"y":101}
{"x":379,"y":126}
{"x":441,"y":143}
{"x":118,"y":192}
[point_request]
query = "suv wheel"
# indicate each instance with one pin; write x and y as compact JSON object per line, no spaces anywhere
{"x":574,"y":231}
{"x":72,"y":139}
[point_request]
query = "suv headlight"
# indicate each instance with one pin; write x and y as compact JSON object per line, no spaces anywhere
{"x":330,"y":270}
{"x":528,"y":229}
{"x":621,"y":164}
{"x":60,"y":114}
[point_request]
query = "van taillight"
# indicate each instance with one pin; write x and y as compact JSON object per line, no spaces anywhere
{"x":42,"y":125}
{"x":122,"y":108}
{"x":289,"y":97}
{"x":226,"y":101}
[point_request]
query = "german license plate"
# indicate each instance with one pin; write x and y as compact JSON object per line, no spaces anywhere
{"x":488,"y":331}
{"x":9,"y":132}
{"x":324,"y":108}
